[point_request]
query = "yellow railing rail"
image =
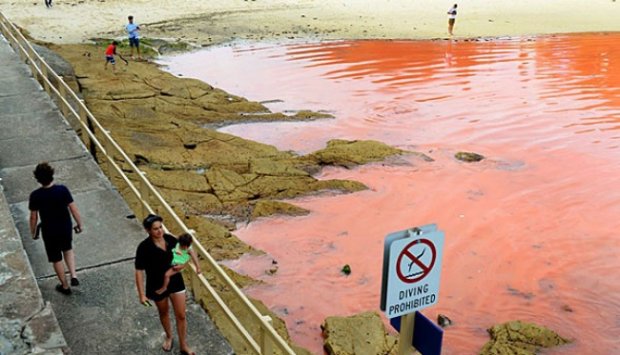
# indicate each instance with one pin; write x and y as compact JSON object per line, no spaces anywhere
{"x":267,"y":341}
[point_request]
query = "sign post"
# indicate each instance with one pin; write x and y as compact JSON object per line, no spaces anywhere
{"x":411,"y":274}
{"x":407,"y":323}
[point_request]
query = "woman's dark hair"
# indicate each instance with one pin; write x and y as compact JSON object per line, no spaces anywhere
{"x":147,"y":223}
{"x":185,"y":239}
{"x":44,"y":173}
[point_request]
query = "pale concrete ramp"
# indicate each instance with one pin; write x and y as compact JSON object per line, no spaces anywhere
{"x":103,"y":315}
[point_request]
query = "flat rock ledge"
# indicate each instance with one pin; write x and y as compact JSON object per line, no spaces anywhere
{"x":363,"y":333}
{"x":520,"y":338}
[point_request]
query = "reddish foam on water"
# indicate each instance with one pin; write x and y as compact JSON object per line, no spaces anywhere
{"x":531,"y":231}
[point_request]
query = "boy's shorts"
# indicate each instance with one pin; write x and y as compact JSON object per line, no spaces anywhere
{"x":110,"y":59}
{"x":55,"y":246}
{"x":134,"y":42}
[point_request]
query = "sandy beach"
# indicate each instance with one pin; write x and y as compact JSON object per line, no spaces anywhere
{"x":217,"y":21}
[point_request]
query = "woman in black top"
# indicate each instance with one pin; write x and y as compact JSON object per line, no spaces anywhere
{"x":153,"y":257}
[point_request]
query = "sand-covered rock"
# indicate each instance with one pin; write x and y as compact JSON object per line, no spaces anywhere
{"x":350,"y":153}
{"x":520,"y":338}
{"x":362,"y":333}
{"x":468,"y":157}
{"x":265,"y":208}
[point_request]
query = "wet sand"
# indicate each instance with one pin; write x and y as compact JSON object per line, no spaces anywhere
{"x":529,"y":231}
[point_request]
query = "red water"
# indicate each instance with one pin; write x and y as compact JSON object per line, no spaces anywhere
{"x":532,"y":232}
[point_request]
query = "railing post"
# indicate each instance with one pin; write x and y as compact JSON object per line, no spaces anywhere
{"x":195,"y":282}
{"x":82,"y":118}
{"x":63,"y":94}
{"x":46,"y":85}
{"x":144,"y":194}
{"x":194,"y":277}
{"x":30,"y":51}
{"x":22,"y":52}
{"x":33,"y":70}
{"x":266,"y":345}
{"x":109,"y":153}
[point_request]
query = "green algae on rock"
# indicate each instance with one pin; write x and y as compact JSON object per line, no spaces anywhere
{"x":265,"y":208}
{"x":306,"y":115}
{"x":520,"y":338}
{"x":350,"y":153}
{"x":362,"y":333}
{"x":468,"y":157}
{"x":218,"y":240}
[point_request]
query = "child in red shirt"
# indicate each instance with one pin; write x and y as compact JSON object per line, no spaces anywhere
{"x":110,"y":52}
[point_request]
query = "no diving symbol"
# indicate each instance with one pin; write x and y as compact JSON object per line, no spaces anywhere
{"x":413,"y":262}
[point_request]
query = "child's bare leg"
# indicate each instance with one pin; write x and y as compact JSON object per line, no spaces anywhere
{"x":167,"y":276}
{"x":171,"y":271}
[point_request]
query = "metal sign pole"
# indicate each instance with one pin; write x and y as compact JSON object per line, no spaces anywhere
{"x":407,"y":322}
{"x":409,"y":283}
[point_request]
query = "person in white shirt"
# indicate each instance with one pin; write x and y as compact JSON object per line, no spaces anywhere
{"x":451,"y":18}
{"x":134,"y":37}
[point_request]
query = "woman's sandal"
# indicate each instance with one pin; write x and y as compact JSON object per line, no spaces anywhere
{"x":64,"y":291}
{"x":183,"y":352}
{"x":168,"y":349}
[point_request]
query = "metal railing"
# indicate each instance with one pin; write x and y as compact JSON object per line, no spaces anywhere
{"x":267,"y":341}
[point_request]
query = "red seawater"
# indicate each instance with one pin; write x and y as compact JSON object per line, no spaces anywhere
{"x":532,"y":231}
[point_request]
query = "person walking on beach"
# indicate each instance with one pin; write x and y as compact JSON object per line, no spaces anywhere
{"x":134,"y":36}
{"x":55,"y":205}
{"x":451,"y":18}
{"x":48,"y":3}
{"x":154,"y":257}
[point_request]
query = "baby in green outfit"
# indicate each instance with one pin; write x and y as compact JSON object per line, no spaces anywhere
{"x":181,"y":254}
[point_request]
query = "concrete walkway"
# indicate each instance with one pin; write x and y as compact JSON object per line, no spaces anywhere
{"x":103,"y":315}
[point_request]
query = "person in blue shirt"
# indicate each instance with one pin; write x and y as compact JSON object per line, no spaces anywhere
{"x":134,"y":36}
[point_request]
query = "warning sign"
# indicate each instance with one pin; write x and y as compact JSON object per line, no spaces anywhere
{"x":410,"y":267}
{"x":412,"y":271}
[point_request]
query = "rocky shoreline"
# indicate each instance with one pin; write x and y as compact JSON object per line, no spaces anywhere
{"x":213,"y":180}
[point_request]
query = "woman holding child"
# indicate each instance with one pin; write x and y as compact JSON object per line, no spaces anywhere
{"x":153,"y":257}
